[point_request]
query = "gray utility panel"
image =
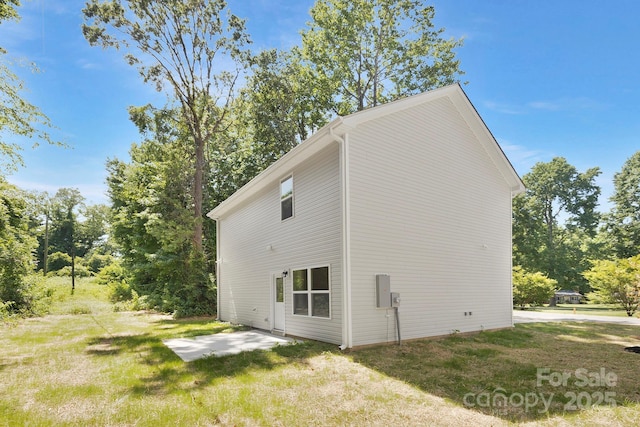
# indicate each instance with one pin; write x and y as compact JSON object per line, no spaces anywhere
{"x":383,"y":291}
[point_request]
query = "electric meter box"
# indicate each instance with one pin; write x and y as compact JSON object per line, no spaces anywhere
{"x":395,"y":299}
{"x":383,"y":291}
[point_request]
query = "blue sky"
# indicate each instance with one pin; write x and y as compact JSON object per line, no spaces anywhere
{"x":549,"y":78}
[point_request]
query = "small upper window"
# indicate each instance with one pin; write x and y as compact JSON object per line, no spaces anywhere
{"x":286,"y":198}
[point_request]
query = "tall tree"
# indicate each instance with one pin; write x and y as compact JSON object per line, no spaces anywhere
{"x":18,"y":117}
{"x":40,"y":205}
{"x":65,"y":204}
{"x":49,"y":220}
{"x":367,"y":52}
{"x":284,"y":109}
{"x":151,"y":220}
{"x":279,"y":107}
{"x":624,"y":220}
{"x":553,"y":218}
{"x":185,"y":44}
{"x":93,"y":228}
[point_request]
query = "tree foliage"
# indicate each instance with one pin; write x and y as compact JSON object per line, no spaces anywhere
{"x":18,"y":117}
{"x":555,"y":219}
{"x":185,"y":44}
{"x":280,"y":106}
{"x":532,"y":289}
{"x":624,"y":220}
{"x":8,"y":9}
{"x":65,"y":206}
{"x":54,"y":226}
{"x":368,"y":52}
{"x":58,"y":260}
{"x":66,"y":202}
{"x":151,"y":220}
{"x":616,"y":281}
{"x":16,"y":246}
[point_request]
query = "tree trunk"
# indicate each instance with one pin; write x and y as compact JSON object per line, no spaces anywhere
{"x":46,"y":245}
{"x":197,"y":194}
{"x":73,"y":268}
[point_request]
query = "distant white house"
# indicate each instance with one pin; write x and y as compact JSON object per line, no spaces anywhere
{"x":412,"y":197}
{"x":567,"y":296}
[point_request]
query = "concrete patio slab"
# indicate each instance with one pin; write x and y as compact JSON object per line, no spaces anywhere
{"x":224,"y":344}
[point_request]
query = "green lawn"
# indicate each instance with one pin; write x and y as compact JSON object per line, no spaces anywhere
{"x":595,"y":309}
{"x":87,"y":365}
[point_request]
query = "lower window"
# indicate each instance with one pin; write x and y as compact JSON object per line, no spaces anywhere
{"x":312,"y":292}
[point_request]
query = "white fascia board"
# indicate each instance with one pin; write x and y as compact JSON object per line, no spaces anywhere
{"x":356,"y":119}
{"x":486,"y":138}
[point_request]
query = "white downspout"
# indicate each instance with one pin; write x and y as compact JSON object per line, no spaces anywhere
{"x":511,"y":260}
{"x":218,"y":268}
{"x":347,"y":326}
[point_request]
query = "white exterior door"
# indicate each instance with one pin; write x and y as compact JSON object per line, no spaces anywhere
{"x":278,"y":303}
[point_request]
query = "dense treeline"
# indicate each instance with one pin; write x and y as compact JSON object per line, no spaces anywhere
{"x":153,"y":245}
{"x":52,"y":235}
{"x":217,"y":136}
{"x":558,"y":231}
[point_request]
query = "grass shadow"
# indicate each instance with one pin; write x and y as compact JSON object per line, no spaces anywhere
{"x":494,"y":372}
{"x":170,"y":374}
{"x":193,"y":327}
{"x":158,"y":370}
{"x":109,"y":345}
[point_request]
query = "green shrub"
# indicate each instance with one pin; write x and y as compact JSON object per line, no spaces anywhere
{"x":112,"y":273}
{"x":616,"y":281}
{"x":96,"y":262}
{"x":531,"y":289}
{"x":121,"y":294}
{"x":79,"y":309}
{"x":57,"y":261}
{"x":120,"y":291}
{"x":80,"y":271}
{"x":35,"y":299}
{"x":40,"y":295}
{"x":135,"y":303}
{"x":6,"y":311}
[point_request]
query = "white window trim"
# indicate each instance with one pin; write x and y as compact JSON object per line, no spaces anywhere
{"x":310,"y":292}
{"x":293,"y":210}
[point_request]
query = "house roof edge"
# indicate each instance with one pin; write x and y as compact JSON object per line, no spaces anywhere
{"x":298,"y":154}
{"x":341,"y":125}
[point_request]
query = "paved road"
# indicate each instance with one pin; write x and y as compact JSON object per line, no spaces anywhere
{"x":524,"y":316}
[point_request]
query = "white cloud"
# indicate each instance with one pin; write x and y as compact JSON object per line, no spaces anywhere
{"x":545,"y":105}
{"x":556,"y":105}
{"x":567,"y":104}
{"x":93,"y":193}
{"x":523,"y":158}
{"x":88,"y":65}
{"x":503,"y":108}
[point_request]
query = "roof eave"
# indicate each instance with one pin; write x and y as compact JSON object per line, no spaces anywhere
{"x":339,"y":126}
{"x":298,"y":154}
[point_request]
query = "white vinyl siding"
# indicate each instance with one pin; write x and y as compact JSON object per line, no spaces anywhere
{"x":430,"y":208}
{"x":255,"y":242}
{"x":417,"y":189}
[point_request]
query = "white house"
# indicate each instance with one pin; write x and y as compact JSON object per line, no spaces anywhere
{"x":414,"y":195}
{"x":567,"y":296}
